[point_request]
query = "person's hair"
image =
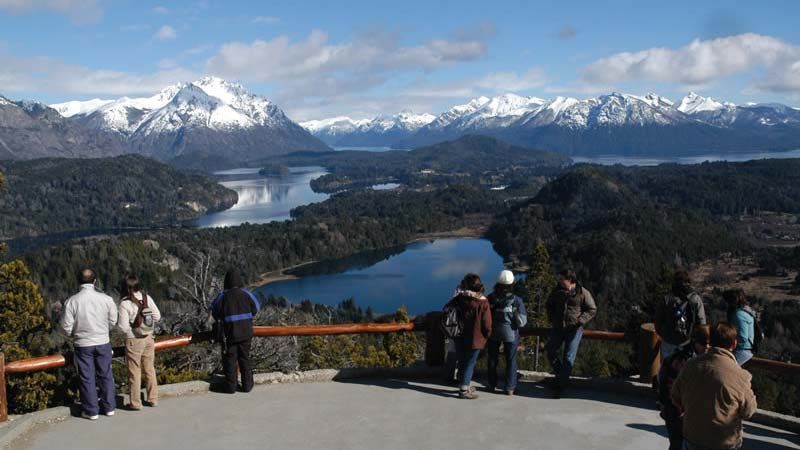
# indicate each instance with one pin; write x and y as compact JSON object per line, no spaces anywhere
{"x":569,"y":274}
{"x":735,"y":299}
{"x":86,"y":276}
{"x":702,"y":334}
{"x":472,"y":282}
{"x":129,"y":285}
{"x":723,"y":335}
{"x":681,"y":281}
{"x":503,"y":289}
{"x":233,"y":279}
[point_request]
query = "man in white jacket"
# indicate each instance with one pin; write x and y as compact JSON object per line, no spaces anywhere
{"x":88,"y":317}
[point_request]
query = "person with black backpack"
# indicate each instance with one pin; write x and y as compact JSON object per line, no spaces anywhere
{"x":467,"y":319}
{"x":508,"y":316}
{"x":742,"y":316}
{"x":677,"y":314}
{"x":138,"y":315}
{"x":234,"y":310}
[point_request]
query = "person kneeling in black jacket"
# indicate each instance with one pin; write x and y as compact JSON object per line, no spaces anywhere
{"x":234,"y":310}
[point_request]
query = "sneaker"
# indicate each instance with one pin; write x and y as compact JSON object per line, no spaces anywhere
{"x":468,"y":394}
{"x":110,"y":413}
{"x":87,"y":416}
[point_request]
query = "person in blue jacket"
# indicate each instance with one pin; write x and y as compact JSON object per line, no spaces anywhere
{"x":508,"y":316}
{"x":234,"y":310}
{"x":741,"y":316}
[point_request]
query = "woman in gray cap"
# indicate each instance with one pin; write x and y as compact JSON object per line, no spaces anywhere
{"x":508,"y":316}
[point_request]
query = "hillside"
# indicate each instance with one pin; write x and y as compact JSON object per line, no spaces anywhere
{"x":57,"y":195}
{"x":471,"y":159}
{"x":31,"y":130}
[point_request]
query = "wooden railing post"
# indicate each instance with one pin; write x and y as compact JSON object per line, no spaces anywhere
{"x":3,"y":398}
{"x":649,"y":353}
{"x":434,"y":340}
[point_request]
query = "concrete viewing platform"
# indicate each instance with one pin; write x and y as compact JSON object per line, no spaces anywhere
{"x":380,"y":413}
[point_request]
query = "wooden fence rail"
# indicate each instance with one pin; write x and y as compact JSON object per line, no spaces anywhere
{"x":434,"y":350}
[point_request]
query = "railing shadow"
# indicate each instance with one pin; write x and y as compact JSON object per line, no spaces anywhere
{"x":395,"y":383}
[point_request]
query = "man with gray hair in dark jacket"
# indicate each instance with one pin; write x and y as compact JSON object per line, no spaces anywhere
{"x":570,"y":307}
{"x":234,"y":309}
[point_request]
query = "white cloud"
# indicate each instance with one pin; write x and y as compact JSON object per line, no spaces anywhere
{"x":32,"y":74}
{"x":164,"y":33}
{"x":134,"y":27}
{"x":161,"y":10}
{"x":513,"y":81}
{"x":266,"y":20}
{"x":79,"y":11}
{"x":703,"y":62}
{"x":372,"y":56}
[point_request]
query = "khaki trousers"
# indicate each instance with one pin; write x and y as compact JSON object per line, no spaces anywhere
{"x":140,"y":355}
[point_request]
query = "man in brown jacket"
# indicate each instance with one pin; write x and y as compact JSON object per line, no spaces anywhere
{"x":570,"y":307}
{"x":476,"y":319}
{"x":715,"y":396}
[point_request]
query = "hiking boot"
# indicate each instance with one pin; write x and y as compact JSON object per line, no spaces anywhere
{"x":470,"y":394}
{"x":509,"y":392}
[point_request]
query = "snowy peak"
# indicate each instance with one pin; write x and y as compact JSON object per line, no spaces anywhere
{"x":210,"y":101}
{"x":694,"y":103}
{"x":69,"y":109}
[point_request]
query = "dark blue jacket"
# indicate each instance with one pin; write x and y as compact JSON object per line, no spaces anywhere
{"x":235,"y":308}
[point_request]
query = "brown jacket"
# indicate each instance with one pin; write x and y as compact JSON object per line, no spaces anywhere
{"x":477,"y":318}
{"x":571,"y":309}
{"x":715,"y":395}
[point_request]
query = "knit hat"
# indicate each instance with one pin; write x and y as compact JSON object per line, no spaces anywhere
{"x":506,"y":277}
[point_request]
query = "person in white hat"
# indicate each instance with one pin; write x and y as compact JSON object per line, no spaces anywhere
{"x":508,"y":316}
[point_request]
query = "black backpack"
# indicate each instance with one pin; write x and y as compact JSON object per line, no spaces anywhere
{"x":758,"y":332}
{"x":681,"y":316}
{"x":452,"y":323}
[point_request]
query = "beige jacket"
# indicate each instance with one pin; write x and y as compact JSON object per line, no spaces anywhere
{"x":716,"y":396}
{"x":127,"y":314}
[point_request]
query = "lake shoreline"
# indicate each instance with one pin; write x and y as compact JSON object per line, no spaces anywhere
{"x":461,"y":233}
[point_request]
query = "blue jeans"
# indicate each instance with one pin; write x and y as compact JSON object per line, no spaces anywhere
{"x":562,"y":365}
{"x":467,"y":358}
{"x":742,"y":355}
{"x":94,"y":362}
{"x":510,"y":351}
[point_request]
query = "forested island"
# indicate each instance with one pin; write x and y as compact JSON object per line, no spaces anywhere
{"x":56,"y":195}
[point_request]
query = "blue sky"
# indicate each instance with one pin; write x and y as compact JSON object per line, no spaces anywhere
{"x":363,"y":58}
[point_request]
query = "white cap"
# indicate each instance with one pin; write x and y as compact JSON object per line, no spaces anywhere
{"x":506,"y":277}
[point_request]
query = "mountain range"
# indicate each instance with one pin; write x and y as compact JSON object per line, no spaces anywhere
{"x":616,"y":123}
{"x":208,"y":123}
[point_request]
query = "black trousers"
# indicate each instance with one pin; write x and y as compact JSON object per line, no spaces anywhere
{"x":233,"y":353}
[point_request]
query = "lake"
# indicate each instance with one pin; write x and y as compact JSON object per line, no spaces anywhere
{"x":610,"y":160}
{"x":369,"y":149}
{"x":422,"y":276}
{"x":264,"y":199}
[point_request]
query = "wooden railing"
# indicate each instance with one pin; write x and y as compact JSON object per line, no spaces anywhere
{"x":434,"y":347}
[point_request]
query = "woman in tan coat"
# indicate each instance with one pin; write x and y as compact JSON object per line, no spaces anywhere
{"x":138,"y":314}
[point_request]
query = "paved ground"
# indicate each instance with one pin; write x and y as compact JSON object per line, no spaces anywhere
{"x":380,"y":414}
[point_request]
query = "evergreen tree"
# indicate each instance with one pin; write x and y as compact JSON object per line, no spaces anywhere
{"x":540,"y":285}
{"x":23,"y":332}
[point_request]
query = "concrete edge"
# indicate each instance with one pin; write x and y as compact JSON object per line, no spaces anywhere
{"x":18,"y":426}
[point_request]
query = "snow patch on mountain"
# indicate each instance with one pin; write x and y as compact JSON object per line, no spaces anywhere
{"x":694,"y":103}
{"x":69,"y":109}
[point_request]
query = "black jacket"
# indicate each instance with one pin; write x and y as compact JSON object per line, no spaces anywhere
{"x":235,"y":308}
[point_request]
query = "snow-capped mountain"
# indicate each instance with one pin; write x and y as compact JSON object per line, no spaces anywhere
{"x":380,"y":131}
{"x":29,"y":129}
{"x":205,"y":123}
{"x":615,"y":123}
